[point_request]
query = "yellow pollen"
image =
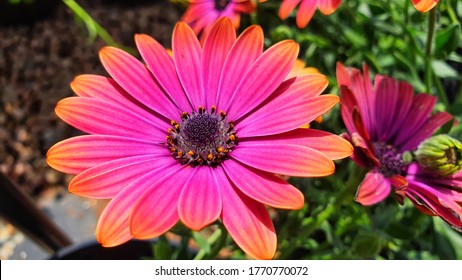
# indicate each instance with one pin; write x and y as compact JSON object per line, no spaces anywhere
{"x":180,"y":154}
{"x":214,"y":108}
{"x":190,"y":153}
{"x":222,"y":114}
{"x":220,"y":149}
{"x":232,"y":137}
{"x":173,"y":123}
{"x":210,"y":157}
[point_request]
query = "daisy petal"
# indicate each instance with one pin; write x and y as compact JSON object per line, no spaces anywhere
{"x":284,"y":114}
{"x":100,"y":117}
{"x":424,"y":5}
{"x":108,"y":179}
{"x":387,"y":96}
{"x":333,"y":146}
{"x":200,"y":200}
{"x":405,"y":97}
{"x":305,"y":12}
{"x":76,"y":154}
{"x":303,"y":161}
{"x":133,"y":76}
{"x":156,"y":210}
{"x":113,"y":225}
{"x":247,"y":221}
{"x":274,"y":64}
{"x":287,"y":6}
{"x":217,"y":46}
{"x":426,"y":130}
{"x":263,"y":187}
{"x":161,"y":65}
{"x":243,"y":54}
{"x":327,"y":7}
{"x":99,"y":87}
{"x":373,"y":189}
{"x":187,"y":53}
{"x":422,"y":106}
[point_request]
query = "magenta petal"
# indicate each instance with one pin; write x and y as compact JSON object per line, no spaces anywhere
{"x":99,"y":87}
{"x":156,"y":210}
{"x":113,"y":226}
{"x":271,"y":157}
{"x":108,"y":179}
{"x":285,"y":114}
{"x":187,"y":54}
{"x":133,"y":76}
{"x":262,"y":78}
{"x":244,"y":52}
{"x":386,"y":91}
{"x":419,"y":113}
{"x":200,"y":200}
{"x":373,"y":189}
{"x":348,"y":104}
{"x":263,"y":187}
{"x":161,"y":65}
{"x":333,"y":146}
{"x":405,"y":97}
{"x":247,"y":221}
{"x":426,"y":130}
{"x":76,"y":154}
{"x":100,"y":117}
{"x":216,"y":48}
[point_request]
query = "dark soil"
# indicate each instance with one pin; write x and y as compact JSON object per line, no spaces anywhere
{"x":37,"y":63}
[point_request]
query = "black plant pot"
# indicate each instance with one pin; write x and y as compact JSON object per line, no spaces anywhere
{"x":92,"y":250}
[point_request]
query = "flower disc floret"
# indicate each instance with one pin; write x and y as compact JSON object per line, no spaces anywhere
{"x":202,"y":137}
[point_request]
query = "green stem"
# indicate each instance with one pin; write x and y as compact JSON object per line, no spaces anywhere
{"x":94,"y":29}
{"x":451,"y":12}
{"x":429,"y":51}
{"x":441,"y":93}
{"x":406,"y":12}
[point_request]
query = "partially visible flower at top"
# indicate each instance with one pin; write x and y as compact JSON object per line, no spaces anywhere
{"x":424,"y":5}
{"x":202,"y":14}
{"x":306,"y":9}
{"x":387,"y":122}
{"x":384,"y":121}
{"x":197,"y":136}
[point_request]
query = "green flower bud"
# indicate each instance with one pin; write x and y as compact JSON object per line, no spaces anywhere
{"x":440,"y":154}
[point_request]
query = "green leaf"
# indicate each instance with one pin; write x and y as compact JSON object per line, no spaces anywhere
{"x":366,"y":245}
{"x":355,"y":38}
{"x":201,"y":241}
{"x":453,"y":238}
{"x":162,"y":249}
{"x":447,"y":40}
{"x":443,"y":70}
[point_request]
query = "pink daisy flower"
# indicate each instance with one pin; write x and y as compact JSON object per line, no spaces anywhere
{"x":306,"y":9}
{"x":384,"y":120}
{"x":424,"y":5}
{"x":197,"y":137}
{"x":202,"y":14}
{"x":435,"y":195}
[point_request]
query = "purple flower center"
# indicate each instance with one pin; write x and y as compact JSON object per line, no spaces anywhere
{"x":220,"y":5}
{"x":202,"y":137}
{"x":391,"y":160}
